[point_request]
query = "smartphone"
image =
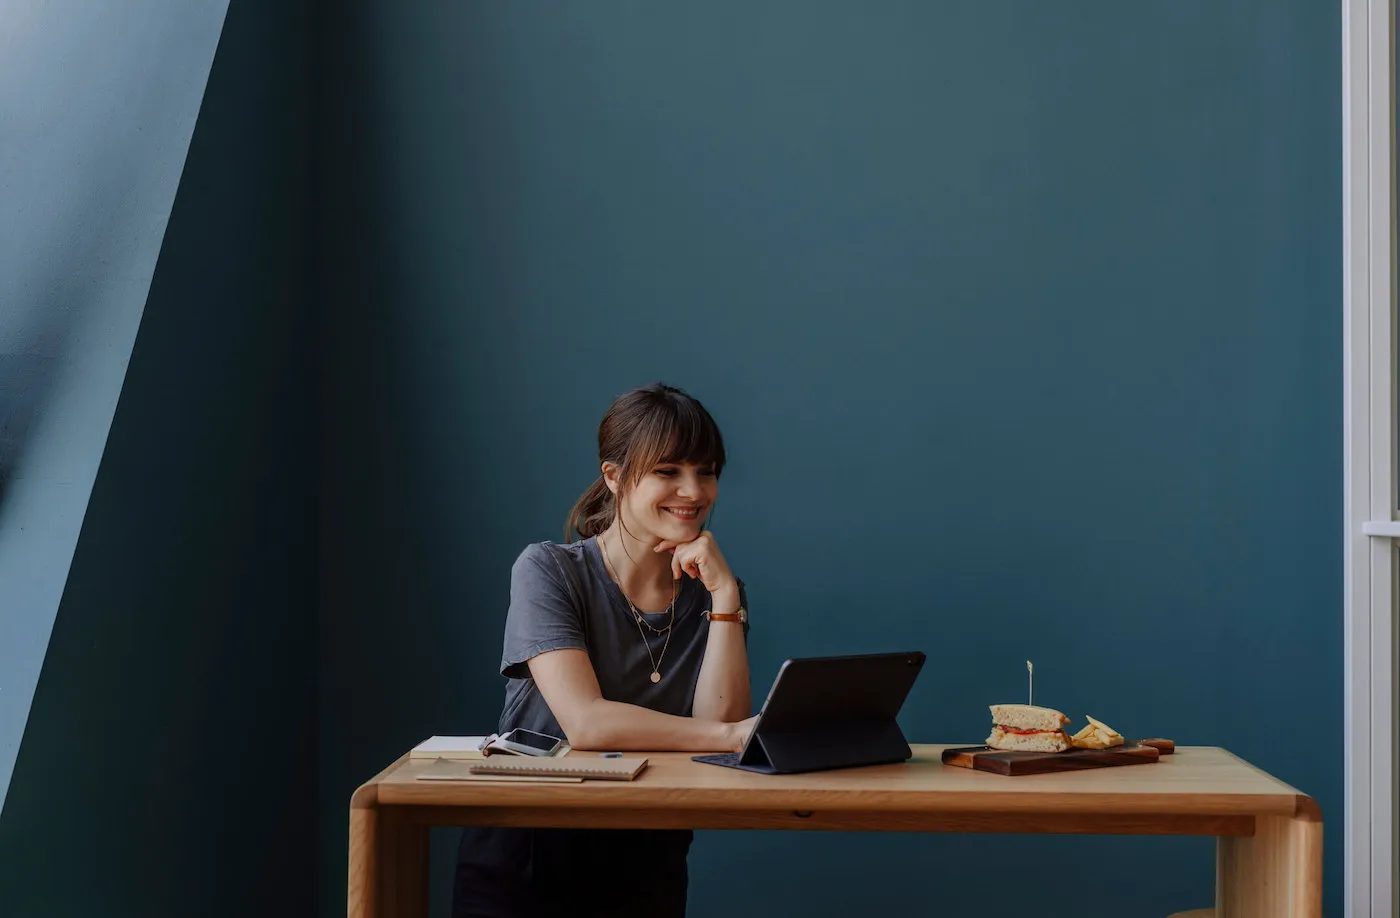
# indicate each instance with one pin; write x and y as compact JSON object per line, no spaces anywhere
{"x":528,"y":742}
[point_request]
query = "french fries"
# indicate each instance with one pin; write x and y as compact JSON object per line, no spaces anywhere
{"x":1096,"y":735}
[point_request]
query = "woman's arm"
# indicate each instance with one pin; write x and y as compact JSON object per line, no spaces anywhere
{"x":722,"y":691}
{"x":570,"y":687}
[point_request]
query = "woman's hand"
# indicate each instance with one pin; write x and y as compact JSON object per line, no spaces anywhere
{"x":702,"y":560}
{"x":739,"y":733}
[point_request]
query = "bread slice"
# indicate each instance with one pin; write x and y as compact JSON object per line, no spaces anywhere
{"x":1027,"y":717}
{"x":1052,"y":741}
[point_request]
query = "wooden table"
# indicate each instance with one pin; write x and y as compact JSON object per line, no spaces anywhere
{"x":1269,"y":850}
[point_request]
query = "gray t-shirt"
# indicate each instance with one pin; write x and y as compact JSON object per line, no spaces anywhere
{"x":562,"y":597}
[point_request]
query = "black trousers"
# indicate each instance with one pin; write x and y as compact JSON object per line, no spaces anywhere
{"x":539,"y":873}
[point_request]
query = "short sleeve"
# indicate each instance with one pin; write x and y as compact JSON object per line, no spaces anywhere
{"x":542,"y":614}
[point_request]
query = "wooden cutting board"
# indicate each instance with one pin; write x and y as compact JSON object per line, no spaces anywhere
{"x":982,"y":758}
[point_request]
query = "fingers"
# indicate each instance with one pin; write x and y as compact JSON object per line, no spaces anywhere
{"x":686,"y":558}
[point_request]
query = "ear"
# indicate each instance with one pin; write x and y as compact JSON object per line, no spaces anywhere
{"x":612,"y":476}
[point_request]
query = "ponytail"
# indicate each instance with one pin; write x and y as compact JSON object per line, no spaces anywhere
{"x":592,"y":513}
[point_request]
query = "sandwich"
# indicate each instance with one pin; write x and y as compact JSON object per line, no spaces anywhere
{"x":1026,"y":728}
{"x":1097,"y":735}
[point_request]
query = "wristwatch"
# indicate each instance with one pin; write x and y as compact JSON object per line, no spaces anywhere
{"x":741,"y":616}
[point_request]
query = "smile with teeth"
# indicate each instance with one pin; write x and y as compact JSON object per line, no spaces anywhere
{"x":685,"y":513}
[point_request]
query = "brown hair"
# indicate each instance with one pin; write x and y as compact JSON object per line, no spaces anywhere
{"x":643,"y":428}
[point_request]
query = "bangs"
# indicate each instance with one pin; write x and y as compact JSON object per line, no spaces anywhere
{"x":680,"y":431}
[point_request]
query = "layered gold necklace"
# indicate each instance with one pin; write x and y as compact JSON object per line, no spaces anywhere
{"x":639,"y":619}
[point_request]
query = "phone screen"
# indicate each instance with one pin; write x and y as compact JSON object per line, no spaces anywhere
{"x":540,"y":741}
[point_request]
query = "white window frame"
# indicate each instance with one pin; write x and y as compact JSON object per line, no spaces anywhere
{"x":1372,"y":521}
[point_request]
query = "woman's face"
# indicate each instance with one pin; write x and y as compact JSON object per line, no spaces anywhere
{"x":670,"y":502}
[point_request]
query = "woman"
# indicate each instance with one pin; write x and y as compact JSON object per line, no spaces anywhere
{"x":632,"y":638}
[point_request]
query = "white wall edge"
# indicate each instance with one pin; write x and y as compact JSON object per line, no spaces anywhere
{"x":1369,"y":468}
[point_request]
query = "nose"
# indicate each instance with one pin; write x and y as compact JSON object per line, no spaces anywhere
{"x":688,"y":485}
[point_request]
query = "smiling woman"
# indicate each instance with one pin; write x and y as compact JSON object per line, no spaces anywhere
{"x":631,"y":638}
{"x":656,"y":428}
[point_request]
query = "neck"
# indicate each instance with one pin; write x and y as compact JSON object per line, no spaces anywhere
{"x":636,"y":566}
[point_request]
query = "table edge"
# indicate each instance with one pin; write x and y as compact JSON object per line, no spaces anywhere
{"x":1303,"y":806}
{"x":366,"y":796}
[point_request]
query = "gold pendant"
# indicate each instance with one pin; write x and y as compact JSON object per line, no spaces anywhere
{"x":655,"y":677}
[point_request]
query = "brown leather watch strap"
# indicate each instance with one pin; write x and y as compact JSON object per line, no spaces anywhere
{"x":725,"y":617}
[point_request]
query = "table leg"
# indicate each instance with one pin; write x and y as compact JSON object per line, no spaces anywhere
{"x":1275,"y":873}
{"x":360,"y":890}
{"x":388,"y":865}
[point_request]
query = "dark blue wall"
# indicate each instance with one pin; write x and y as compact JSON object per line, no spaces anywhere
{"x":1021,"y":321}
{"x":180,"y":674}
{"x":1021,"y":324}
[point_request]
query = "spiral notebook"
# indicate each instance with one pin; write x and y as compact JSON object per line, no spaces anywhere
{"x":458,"y":770}
{"x":622,"y":769}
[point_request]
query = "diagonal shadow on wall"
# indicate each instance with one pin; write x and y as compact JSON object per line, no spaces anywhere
{"x":97,"y":111}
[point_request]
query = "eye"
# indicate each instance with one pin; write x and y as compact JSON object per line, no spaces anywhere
{"x":666,"y":472}
{"x":708,"y":473}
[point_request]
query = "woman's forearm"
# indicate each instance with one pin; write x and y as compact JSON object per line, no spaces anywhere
{"x":570,"y":688}
{"x":722,"y":690}
{"x":604,"y":725}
